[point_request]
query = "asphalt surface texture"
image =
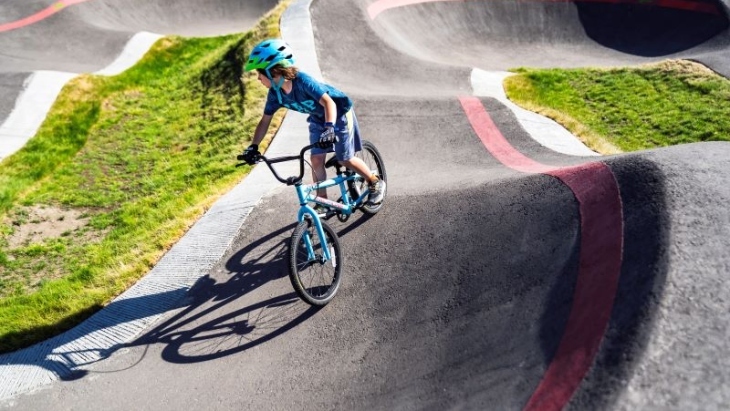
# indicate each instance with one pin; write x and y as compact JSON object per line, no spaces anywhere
{"x":499,"y":274}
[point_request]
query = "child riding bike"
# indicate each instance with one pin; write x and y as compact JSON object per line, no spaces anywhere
{"x":332,"y":121}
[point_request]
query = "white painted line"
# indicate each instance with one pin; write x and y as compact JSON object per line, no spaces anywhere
{"x":39,"y":92}
{"x":41,"y":89}
{"x":135,"y":49}
{"x":542,"y":129}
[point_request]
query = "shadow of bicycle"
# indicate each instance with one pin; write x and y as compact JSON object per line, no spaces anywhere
{"x":219,"y":319}
{"x":242,"y":302}
{"x":218,"y":322}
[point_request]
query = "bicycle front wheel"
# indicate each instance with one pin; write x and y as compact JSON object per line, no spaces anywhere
{"x":372,"y":158}
{"x":316,"y":281}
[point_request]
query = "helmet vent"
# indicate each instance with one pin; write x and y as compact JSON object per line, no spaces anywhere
{"x":282,"y":48}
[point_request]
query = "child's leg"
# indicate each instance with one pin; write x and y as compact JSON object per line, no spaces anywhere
{"x":317,"y":155}
{"x":318,"y":171}
{"x":357,"y":165}
{"x":349,"y":142}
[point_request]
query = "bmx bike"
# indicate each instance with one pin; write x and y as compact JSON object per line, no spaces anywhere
{"x":315,"y":254}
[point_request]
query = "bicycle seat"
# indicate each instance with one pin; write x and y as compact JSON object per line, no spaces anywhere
{"x":332,"y":162}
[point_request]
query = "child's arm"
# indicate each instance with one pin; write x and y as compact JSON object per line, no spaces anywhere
{"x":327,"y":138}
{"x":261,"y":130}
{"x":251,"y":153}
{"x":330,"y":108}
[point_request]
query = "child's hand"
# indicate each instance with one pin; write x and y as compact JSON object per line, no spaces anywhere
{"x":327,"y":138}
{"x":251,"y":154}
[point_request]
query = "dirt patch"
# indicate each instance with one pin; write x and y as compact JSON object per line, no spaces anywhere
{"x":38,"y":223}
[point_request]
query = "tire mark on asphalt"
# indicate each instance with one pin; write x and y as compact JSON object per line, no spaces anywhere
{"x":601,"y":252}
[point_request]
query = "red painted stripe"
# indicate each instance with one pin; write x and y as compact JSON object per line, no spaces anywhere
{"x":379,"y":6}
{"x":601,"y":252}
{"x":43,"y":14}
{"x":495,"y":142}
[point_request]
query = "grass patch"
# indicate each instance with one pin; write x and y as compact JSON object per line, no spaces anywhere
{"x":629,"y":109}
{"x":124,"y":165}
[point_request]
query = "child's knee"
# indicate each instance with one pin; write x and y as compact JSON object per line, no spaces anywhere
{"x":317,"y":159}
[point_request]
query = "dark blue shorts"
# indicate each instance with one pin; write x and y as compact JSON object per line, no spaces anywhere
{"x":347,"y":132}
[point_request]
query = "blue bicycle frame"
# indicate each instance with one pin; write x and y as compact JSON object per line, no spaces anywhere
{"x":307,"y":193}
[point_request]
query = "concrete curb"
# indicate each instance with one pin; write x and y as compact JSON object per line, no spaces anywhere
{"x":39,"y":93}
{"x":542,"y":129}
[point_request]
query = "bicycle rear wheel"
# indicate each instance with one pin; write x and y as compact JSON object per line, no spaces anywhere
{"x":314,"y":280}
{"x":372,"y":158}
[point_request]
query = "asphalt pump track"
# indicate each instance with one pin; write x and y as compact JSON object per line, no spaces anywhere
{"x":500,"y":275}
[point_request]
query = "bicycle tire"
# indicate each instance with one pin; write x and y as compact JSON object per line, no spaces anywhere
{"x":371,"y":156}
{"x":316,"y":283}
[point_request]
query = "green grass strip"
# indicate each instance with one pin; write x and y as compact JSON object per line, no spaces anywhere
{"x":134,"y":160}
{"x":630,"y":109}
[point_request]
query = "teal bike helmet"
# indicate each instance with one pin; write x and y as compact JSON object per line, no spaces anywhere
{"x":268,"y":54}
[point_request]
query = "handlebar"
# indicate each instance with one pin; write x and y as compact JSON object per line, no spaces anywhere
{"x":269,"y":161}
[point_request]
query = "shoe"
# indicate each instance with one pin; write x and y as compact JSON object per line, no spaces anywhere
{"x":377,"y":192}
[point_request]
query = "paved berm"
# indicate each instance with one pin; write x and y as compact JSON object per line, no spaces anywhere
{"x":490,"y":280}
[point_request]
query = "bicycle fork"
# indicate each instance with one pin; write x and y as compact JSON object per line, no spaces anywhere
{"x":307,"y":213}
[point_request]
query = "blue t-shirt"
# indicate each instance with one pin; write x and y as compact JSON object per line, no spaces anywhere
{"x":304,"y":98}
